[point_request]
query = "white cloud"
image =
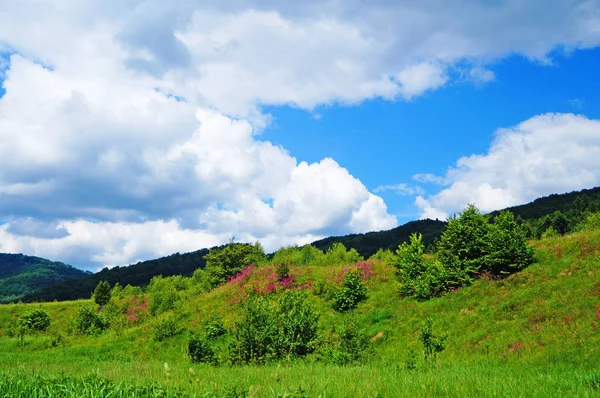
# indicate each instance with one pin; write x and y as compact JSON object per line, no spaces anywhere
{"x":401,"y":189}
{"x":481,"y":75}
{"x":546,"y":154}
{"x":114,"y":125}
{"x":428,"y":178}
{"x":427,"y":211}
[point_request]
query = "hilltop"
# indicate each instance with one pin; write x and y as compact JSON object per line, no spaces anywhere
{"x":21,"y":275}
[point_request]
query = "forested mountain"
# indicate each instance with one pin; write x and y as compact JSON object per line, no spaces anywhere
{"x":562,"y":212}
{"x":136,"y":275}
{"x":368,"y":244}
{"x":21,"y":275}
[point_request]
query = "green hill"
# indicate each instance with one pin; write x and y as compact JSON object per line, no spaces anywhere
{"x":138,"y":274}
{"x":534,"y":333}
{"x":21,"y":275}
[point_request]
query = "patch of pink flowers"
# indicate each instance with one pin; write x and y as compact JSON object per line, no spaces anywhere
{"x":241,"y":276}
{"x":365,"y":268}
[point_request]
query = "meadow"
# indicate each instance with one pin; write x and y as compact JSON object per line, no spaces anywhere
{"x":531,"y":334}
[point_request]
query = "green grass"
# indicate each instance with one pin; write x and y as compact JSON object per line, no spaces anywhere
{"x":534,"y":334}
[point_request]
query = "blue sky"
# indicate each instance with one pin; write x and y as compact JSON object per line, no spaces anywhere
{"x":168,"y":127}
{"x":387,"y":142}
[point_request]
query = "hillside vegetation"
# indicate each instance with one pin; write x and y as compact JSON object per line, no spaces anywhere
{"x":21,"y":275}
{"x":138,"y":274}
{"x":531,"y":333}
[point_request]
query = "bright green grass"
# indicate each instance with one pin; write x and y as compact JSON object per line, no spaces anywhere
{"x":532,"y":334}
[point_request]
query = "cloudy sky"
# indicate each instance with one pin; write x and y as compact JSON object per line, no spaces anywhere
{"x":133,"y":129}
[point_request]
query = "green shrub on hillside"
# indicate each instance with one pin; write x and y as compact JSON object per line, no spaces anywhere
{"x":432,"y":344}
{"x":297,"y":322}
{"x":89,"y":322}
{"x":353,"y":343}
{"x":508,"y":250}
{"x":199,"y":349}
{"x":162,"y":295}
{"x":165,"y":329}
{"x":350,"y":293}
{"x":225,"y":262}
{"x":102,"y":293}
{"x":590,"y":223}
{"x":36,"y":320}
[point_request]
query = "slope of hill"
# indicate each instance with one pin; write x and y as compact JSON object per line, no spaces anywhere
{"x":21,"y":275}
{"x":534,"y":333}
{"x":368,"y":244}
{"x":138,"y":274}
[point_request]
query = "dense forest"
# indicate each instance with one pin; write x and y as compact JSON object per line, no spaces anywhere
{"x":21,"y":275}
{"x":138,"y":274}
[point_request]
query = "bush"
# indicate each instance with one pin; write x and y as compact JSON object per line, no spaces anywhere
{"x":508,"y":249}
{"x":590,"y":223}
{"x":282,"y":270}
{"x":102,"y":293}
{"x":351,"y":293}
{"x":165,"y":329}
{"x":297,"y":324}
{"x":213,"y":327}
{"x":89,"y":322}
{"x":353,"y":343}
{"x":37,"y":320}
{"x":338,"y":255}
{"x":162,"y":295}
{"x":223,"y":263}
{"x":199,"y":349}
{"x":256,"y":335}
{"x":432,"y":344}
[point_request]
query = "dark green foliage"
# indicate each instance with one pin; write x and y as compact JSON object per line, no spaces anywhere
{"x":199,"y":349}
{"x":508,"y":250}
{"x":256,"y":335}
{"x":213,"y":327}
{"x":282,"y":270}
{"x":165,"y":329}
{"x":369,"y":243}
{"x":138,"y":274}
{"x":90,"y":322}
{"x":21,"y":275}
{"x":432,"y":344}
{"x":225,"y":262}
{"x":297,"y":324}
{"x":419,"y":277}
{"x":36,"y":320}
{"x":350,"y":293}
{"x":353,"y":343}
{"x":590,"y":223}
{"x":464,"y":244}
{"x":102,"y":293}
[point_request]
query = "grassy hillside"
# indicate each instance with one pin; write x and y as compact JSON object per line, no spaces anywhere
{"x":534,"y":333}
{"x":21,"y":275}
{"x":138,"y":274}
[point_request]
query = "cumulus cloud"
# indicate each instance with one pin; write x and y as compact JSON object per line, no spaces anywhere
{"x":130,"y":129}
{"x":546,"y":154}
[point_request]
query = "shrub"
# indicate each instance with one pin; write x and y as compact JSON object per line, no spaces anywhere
{"x":213,"y":327}
{"x":590,"y":223}
{"x":432,"y":344}
{"x":102,"y":293}
{"x":199,"y":349}
{"x":162,"y":295}
{"x":338,"y":255}
{"x":89,"y":322}
{"x":508,"y":249}
{"x":350,"y":293}
{"x":353,"y":343}
{"x":550,"y":232}
{"x":165,"y":329}
{"x":297,"y":324}
{"x":282,"y":270}
{"x":256,"y":334}
{"x":225,"y":262}
{"x":37,"y":320}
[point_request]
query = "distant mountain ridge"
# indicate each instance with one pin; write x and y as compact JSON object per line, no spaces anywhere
{"x":538,"y":214}
{"x":138,"y":274}
{"x":21,"y":275}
